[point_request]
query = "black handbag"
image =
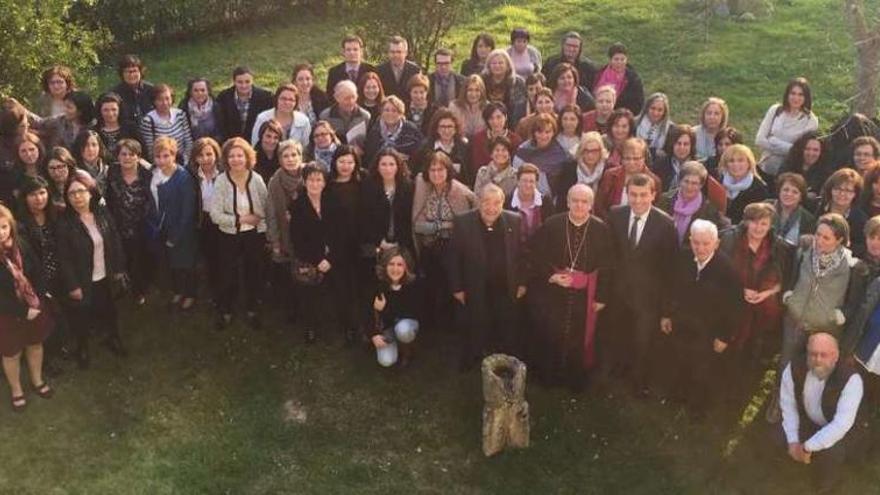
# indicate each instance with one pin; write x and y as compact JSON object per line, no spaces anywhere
{"x":306,"y":273}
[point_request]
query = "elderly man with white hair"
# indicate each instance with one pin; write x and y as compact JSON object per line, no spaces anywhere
{"x":348,"y":119}
{"x":820,"y":398}
{"x":569,"y":283}
{"x":706,"y":299}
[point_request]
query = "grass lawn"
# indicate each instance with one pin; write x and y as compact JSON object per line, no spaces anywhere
{"x":243,"y":412}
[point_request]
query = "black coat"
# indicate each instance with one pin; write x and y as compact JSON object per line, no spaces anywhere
{"x":337,"y":73}
{"x":633,"y":95}
{"x":320,"y":101}
{"x":391,"y":85}
{"x":662,"y":167}
{"x":706,"y":306}
{"x":33,"y":271}
{"x":375,"y":214}
{"x":468,"y":262}
{"x":75,"y":250}
{"x":314,"y":238}
{"x":461,"y":154}
{"x":408,"y":142}
{"x":756,"y":193}
{"x":229,"y":119}
{"x":643,"y":275}
{"x":458,"y":81}
{"x":547,"y":207}
{"x":135,"y":103}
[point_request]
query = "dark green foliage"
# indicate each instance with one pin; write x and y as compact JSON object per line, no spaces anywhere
{"x":38,"y":33}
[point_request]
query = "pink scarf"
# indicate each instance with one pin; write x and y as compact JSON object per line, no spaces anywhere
{"x":683,"y":211}
{"x":23,"y":289}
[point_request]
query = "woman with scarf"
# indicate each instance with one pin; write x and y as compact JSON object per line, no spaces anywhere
{"x":498,"y":171}
{"x":714,"y":115}
{"x":741,"y":181}
{"x":25,"y":319}
{"x":495,"y":116}
{"x":653,"y":123}
{"x":323,"y":145}
{"x":762,"y":260}
{"x":283,"y":189}
{"x":839,"y":196}
{"x":420,"y":109}
{"x":545,"y":152}
{"x":588,"y":167}
{"x":623,"y":77}
{"x":822,"y":274}
{"x":686,"y":202}
{"x":438,"y":198}
{"x":792,"y":220}
{"x":392,"y":131}
{"x":88,"y":149}
{"x":199,"y":106}
{"x":678,"y":150}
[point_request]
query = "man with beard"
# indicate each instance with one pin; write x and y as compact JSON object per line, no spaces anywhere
{"x":572,"y":45}
{"x":820,"y":398}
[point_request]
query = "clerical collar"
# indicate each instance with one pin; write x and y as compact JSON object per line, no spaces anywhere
{"x":578,"y":224}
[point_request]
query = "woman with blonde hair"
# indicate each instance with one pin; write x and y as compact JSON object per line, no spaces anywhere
{"x":468,"y":107}
{"x":589,"y":164}
{"x":739,"y":176}
{"x":504,"y":85}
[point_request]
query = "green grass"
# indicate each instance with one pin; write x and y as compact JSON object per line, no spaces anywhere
{"x":194,"y":411}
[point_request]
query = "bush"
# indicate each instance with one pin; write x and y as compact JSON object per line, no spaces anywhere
{"x":38,"y":33}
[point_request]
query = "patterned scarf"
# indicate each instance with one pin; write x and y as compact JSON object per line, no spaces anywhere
{"x":24,"y":291}
{"x":825,"y":263}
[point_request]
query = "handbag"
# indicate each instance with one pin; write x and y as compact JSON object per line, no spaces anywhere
{"x":306,"y":273}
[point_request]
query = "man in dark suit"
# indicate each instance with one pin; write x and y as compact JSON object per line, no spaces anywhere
{"x":445,"y":83}
{"x":486,"y":277}
{"x":395,"y":73}
{"x":353,"y":67}
{"x":706,"y":299}
{"x":645,"y":245}
{"x":239,"y":105}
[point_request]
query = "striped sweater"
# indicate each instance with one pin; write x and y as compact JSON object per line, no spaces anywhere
{"x":153,"y":126}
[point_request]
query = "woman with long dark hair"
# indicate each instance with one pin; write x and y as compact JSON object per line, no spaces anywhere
{"x":784,"y":123}
{"x":91,"y":156}
{"x":108,"y":125}
{"x":483,"y":44}
{"x":807,"y":157}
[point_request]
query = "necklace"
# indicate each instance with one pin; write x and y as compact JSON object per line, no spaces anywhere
{"x":574,"y":254}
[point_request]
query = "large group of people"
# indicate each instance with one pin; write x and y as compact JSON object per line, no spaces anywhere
{"x":542,"y":206}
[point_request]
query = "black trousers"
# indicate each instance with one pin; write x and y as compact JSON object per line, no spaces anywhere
{"x":140,"y":264}
{"x":97,"y":314}
{"x":244,"y":251}
{"x":629,"y":341}
{"x":697,"y":367}
{"x":315,"y":306}
{"x":490,"y":326}
{"x":209,"y":245}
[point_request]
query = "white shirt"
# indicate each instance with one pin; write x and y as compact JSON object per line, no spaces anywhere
{"x":702,"y":264}
{"x":830,"y":433}
{"x":158,"y":179}
{"x":643,"y":218}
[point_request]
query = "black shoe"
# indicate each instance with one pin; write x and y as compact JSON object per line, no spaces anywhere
{"x":310,"y":337}
{"x":254,"y":321}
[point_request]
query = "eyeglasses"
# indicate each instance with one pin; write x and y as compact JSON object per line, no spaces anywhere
{"x":844,"y":190}
{"x":77,"y":192}
{"x":592,"y":150}
{"x":321,"y":134}
{"x":57,"y":167}
{"x":446,"y":126}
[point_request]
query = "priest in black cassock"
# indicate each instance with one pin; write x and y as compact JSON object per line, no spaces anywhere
{"x":570,"y":262}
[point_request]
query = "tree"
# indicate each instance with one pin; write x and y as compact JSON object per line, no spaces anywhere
{"x":38,"y":33}
{"x":424,"y":23}
{"x":866,"y":38}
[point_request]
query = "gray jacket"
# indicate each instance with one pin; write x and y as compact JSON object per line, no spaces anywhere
{"x":818,"y":304}
{"x":223,"y":202}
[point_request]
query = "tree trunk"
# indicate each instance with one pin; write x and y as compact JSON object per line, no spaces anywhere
{"x":866,"y":39}
{"x":505,"y":412}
